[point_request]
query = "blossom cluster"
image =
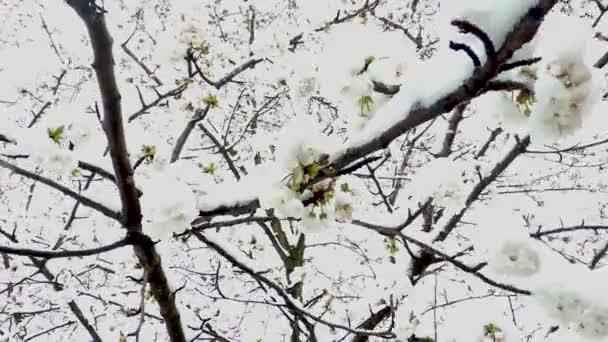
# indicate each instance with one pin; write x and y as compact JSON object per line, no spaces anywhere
{"x":575,"y":298}
{"x":559,"y":91}
{"x":309,"y":192}
{"x":54,"y":147}
{"x":348,"y":79}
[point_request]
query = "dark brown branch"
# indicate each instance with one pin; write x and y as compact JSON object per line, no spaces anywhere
{"x":574,"y":148}
{"x":506,"y":86}
{"x":373,"y":321}
{"x":235,"y":210}
{"x":6,"y":139}
{"x":64,"y":254}
{"x":229,"y":77}
{"x":222,"y":149}
{"x":394,"y":25}
{"x":63,"y":189}
{"x":103,"y":64}
{"x":160,"y":97}
{"x":141,"y":64}
{"x":467,"y":27}
{"x":448,"y":140}
{"x":468,"y":50}
{"x":386,"y":89}
{"x":495,"y":133}
{"x":467,"y":269}
{"x":199,"y":115}
{"x":367,"y":6}
{"x":599,"y":256}
{"x":517,"y":64}
{"x":372,"y":175}
{"x":38,"y":114}
{"x":563,"y":230}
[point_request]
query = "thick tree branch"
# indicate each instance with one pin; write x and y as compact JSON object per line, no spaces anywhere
{"x":101,"y":41}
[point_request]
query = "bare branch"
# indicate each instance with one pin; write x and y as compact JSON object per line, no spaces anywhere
{"x":64,"y":254}
{"x":63,"y":189}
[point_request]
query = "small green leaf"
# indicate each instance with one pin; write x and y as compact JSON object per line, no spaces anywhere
{"x":390,"y":243}
{"x":76,"y":173}
{"x":202,"y":47}
{"x":312,"y":169}
{"x":211,"y":100}
{"x":491,"y":329}
{"x":149,"y":151}
{"x":210,"y":168}
{"x":56,"y":134}
{"x":365,"y":104}
{"x":345,"y":187}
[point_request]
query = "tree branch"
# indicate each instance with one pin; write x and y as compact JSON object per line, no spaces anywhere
{"x":101,"y":41}
{"x":64,"y":254}
{"x":63,"y":189}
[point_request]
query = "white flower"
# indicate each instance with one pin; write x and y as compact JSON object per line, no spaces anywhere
{"x":345,"y":57}
{"x":562,"y":304}
{"x":305,"y":87}
{"x":501,"y":107}
{"x":290,"y":207}
{"x":516,"y":258}
{"x":318,"y":218}
{"x":53,"y":160}
{"x":592,"y":324}
{"x":344,"y":206}
{"x":442,"y":180}
{"x":284,"y":201}
{"x":81,"y":130}
{"x":450,"y":193}
{"x":559,"y":110}
{"x":566,"y":87}
{"x":390,"y":71}
{"x":270,"y":43}
{"x":306,"y":154}
{"x":303,"y":143}
{"x":168,"y":205}
{"x":357,"y":97}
